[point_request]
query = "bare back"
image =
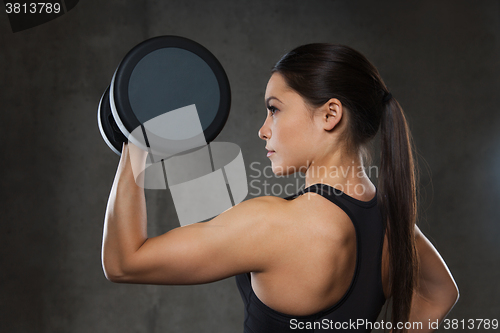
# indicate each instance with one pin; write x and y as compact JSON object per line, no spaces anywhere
{"x":315,"y":258}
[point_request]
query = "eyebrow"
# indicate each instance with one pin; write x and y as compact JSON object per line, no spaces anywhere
{"x":272,"y":97}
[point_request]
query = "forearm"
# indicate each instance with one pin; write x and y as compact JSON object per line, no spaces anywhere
{"x":125,"y":225}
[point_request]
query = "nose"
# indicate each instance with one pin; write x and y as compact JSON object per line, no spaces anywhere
{"x":265,"y":131}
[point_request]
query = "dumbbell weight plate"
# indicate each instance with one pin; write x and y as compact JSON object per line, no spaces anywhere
{"x":110,"y":132}
{"x":168,"y":73}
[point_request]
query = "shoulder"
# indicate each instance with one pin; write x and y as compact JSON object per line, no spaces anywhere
{"x":281,"y":221}
{"x":275,"y":220}
{"x":268,"y":231}
{"x":261,"y":211}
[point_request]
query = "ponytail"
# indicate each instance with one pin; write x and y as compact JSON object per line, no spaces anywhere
{"x":398,"y":203}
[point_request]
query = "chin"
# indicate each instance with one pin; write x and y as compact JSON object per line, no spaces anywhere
{"x":278,"y":169}
{"x":283,"y":170}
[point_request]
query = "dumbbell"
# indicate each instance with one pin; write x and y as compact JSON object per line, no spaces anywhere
{"x":163,"y":74}
{"x":171,"y":97}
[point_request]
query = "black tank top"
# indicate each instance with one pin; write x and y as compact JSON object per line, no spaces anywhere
{"x":360,"y":305}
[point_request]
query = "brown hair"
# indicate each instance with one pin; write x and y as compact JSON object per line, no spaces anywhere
{"x":319,"y":72}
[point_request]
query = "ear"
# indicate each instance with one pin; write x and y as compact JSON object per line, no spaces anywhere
{"x":331,"y":113}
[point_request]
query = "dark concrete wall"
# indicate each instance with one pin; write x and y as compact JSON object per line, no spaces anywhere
{"x":439,"y":58}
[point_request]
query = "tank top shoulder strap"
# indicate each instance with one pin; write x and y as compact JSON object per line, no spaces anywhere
{"x":334,"y":195}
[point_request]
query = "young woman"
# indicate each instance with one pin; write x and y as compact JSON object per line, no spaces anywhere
{"x":330,"y":255}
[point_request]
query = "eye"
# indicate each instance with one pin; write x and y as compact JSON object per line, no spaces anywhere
{"x":272,"y":109}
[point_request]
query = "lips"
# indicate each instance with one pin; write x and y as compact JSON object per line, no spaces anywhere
{"x":270,"y":152}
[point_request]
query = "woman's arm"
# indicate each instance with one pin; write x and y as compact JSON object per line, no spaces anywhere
{"x":236,"y":241}
{"x":437,"y":292}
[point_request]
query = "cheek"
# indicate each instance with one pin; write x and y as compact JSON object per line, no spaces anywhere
{"x":295,"y":135}
{"x":292,"y":144}
{"x":288,"y":130}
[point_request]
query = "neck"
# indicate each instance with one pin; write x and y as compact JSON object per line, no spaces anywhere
{"x":345,"y":172}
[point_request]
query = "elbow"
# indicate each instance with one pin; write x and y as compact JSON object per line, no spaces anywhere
{"x":113,"y":271}
{"x":451,"y":298}
{"x":120,"y":273}
{"x":440,"y":299}
{"x":113,"y":274}
{"x":455,"y":295}
{"x":114,"y":277}
{"x":450,"y":301}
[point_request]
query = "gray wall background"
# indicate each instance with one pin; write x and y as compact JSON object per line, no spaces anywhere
{"x":441,"y":60}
